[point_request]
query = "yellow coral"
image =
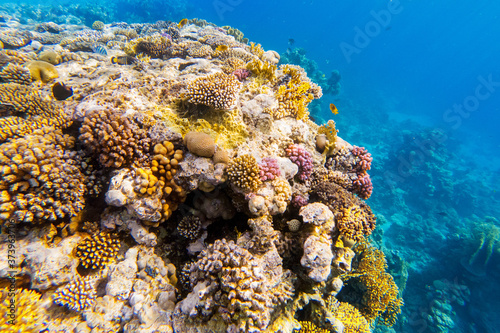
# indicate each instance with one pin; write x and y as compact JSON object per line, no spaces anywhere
{"x":330,"y":132}
{"x":243,"y":171}
{"x":27,"y":314}
{"x":51,"y":57}
{"x":263,"y":70}
{"x":380,"y":293}
{"x":353,"y":320}
{"x":14,"y":73}
{"x":98,"y":251}
{"x":309,"y":327}
{"x":354,"y":223}
{"x":42,"y":71}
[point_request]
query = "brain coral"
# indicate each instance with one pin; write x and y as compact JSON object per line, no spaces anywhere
{"x":200,"y":144}
{"x":244,"y":172}
{"x":217,"y":90}
{"x":116,"y":140}
{"x":41,"y":178}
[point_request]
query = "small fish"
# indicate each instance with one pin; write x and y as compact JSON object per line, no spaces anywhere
{"x":123,"y":60}
{"x":334,"y":109}
{"x":291,"y":41}
{"x":182,"y":23}
{"x":221,"y":48}
{"x":98,"y":48}
{"x":61,"y":92}
{"x":443,"y":213}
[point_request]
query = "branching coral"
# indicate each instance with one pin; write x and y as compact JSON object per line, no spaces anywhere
{"x":363,"y":184}
{"x":41,"y":178}
{"x":115,"y":140}
{"x":98,"y":251}
{"x":269,"y":169}
{"x":20,"y":311}
{"x":78,"y":295}
{"x":379,"y":293}
{"x":302,"y":158}
{"x":243,"y":172}
{"x":217,"y":90}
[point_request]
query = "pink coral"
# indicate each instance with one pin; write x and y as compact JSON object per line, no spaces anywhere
{"x":365,"y":158}
{"x":302,"y":158}
{"x":241,"y":74}
{"x":363,"y":185}
{"x":299,"y":200}
{"x":269,"y":169}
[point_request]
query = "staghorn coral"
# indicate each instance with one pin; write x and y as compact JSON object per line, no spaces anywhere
{"x":98,"y":251}
{"x":20,"y":311}
{"x":378,"y":293}
{"x":354,"y":223}
{"x":243,"y":172}
{"x":13,"y":73}
{"x":114,"y":139}
{"x":78,"y":295}
{"x":302,"y":158}
{"x":41,"y":177}
{"x":218,"y":90}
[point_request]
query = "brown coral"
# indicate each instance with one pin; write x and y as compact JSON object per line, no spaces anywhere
{"x":200,"y":144}
{"x":218,"y":90}
{"x":98,"y":251}
{"x":41,"y":178}
{"x":190,"y":227}
{"x":115,"y":139}
{"x":244,"y":172}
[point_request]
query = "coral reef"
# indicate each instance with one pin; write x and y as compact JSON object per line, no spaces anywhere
{"x":98,"y":251}
{"x":217,"y":90}
{"x":243,"y":172}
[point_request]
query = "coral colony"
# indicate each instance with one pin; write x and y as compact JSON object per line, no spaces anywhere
{"x":167,"y":177}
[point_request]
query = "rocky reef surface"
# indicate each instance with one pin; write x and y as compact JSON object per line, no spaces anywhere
{"x":167,"y":177}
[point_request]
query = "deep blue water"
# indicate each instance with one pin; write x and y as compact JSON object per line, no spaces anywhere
{"x":410,"y":70}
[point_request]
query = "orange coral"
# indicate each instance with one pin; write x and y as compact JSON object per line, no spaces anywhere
{"x":354,"y":223}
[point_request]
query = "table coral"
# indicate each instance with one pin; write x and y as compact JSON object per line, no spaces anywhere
{"x":115,"y":139}
{"x":98,"y":251}
{"x":41,"y":178}
{"x":244,"y":172}
{"x":217,"y":90}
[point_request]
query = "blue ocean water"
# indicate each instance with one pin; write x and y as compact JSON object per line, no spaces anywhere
{"x":420,"y":89}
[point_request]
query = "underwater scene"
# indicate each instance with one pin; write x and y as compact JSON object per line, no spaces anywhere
{"x":249,"y":166}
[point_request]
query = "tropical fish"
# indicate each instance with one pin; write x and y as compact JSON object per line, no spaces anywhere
{"x":221,"y":48}
{"x":123,"y":60}
{"x":61,"y":92}
{"x":182,"y":23}
{"x":98,"y":48}
{"x":291,"y":41}
{"x":333,"y":108}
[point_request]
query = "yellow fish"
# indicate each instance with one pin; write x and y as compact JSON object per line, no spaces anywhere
{"x":221,"y":48}
{"x":334,"y":109}
{"x":182,"y":23}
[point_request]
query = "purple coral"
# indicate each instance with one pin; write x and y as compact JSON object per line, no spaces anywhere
{"x":363,"y":185}
{"x":269,"y":169}
{"x":241,"y":74}
{"x":302,"y":158}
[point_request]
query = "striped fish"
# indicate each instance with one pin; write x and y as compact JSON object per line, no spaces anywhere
{"x":99,"y":48}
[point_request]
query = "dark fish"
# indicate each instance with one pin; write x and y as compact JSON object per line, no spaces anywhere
{"x":443,"y":213}
{"x":291,"y":41}
{"x":7,"y":110}
{"x":61,"y":92}
{"x":98,"y":48}
{"x":123,"y":60}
